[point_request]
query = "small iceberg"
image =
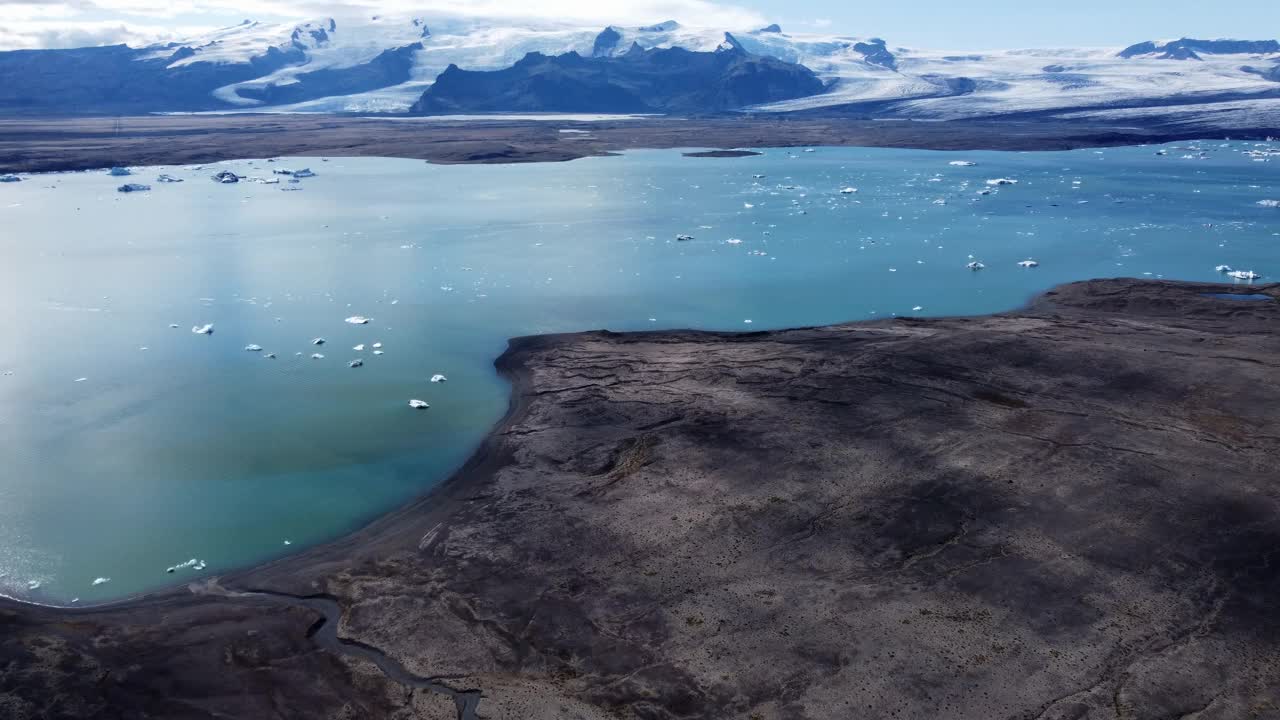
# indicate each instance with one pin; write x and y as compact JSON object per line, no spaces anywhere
{"x":377,"y":345}
{"x":377,"y":352}
{"x":358,"y":348}
{"x":357,"y":320}
{"x":202,"y":329}
{"x":1001,"y":181}
{"x":303,"y":173}
{"x":101,"y":581}
{"x":355,"y":363}
{"x":963,"y":163}
{"x":169,"y":179}
{"x":1223,"y":268}
{"x":253,"y":348}
{"x":734,"y":241}
{"x":1028,"y":263}
{"x":193,"y":563}
{"x":318,"y":341}
{"x":757,"y":177}
{"x":1244,"y":275}
{"x":975,"y":265}
{"x":848,"y":190}
{"x":133,"y":187}
{"x":270,"y":356}
{"x":1269,"y":203}
{"x":683,"y":238}
{"x":418,"y":404}
{"x":119,"y":172}
{"x":226,"y":177}
{"x":317,"y":356}
{"x":9,"y":178}
{"x":437,"y":378}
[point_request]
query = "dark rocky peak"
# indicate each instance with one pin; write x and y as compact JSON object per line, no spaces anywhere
{"x":606,"y":42}
{"x":875,"y":53}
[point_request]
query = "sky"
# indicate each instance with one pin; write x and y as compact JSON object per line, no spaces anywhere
{"x":938,"y":24}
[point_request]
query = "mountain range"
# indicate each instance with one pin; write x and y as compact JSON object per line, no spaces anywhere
{"x":454,"y":64}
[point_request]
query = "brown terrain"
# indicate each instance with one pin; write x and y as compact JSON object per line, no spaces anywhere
{"x":48,"y":144}
{"x":1071,"y":511}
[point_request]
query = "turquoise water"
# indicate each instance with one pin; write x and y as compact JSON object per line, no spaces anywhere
{"x":195,"y":448}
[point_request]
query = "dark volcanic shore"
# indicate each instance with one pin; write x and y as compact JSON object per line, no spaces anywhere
{"x":1068,"y":511}
{"x":53,"y":144}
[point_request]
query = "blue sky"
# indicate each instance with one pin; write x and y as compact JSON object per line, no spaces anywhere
{"x":942,"y":24}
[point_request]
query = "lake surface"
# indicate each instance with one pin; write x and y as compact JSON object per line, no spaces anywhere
{"x":130,"y":446}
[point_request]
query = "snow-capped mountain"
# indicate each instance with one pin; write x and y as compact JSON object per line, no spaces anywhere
{"x":384,"y":64}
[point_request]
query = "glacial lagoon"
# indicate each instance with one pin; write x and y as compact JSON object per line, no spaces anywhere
{"x":130,"y":446}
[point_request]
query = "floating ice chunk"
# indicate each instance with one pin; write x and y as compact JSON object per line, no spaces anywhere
{"x":734,"y":241}
{"x":377,"y":352}
{"x":1269,"y":203}
{"x":173,"y":326}
{"x":1028,"y":263}
{"x":746,"y":205}
{"x":226,"y":177}
{"x":303,"y":173}
{"x":1244,"y":275}
{"x":358,"y":348}
{"x":33,"y":585}
{"x":317,"y":356}
{"x":940,"y":201}
{"x":253,"y":348}
{"x":270,"y":356}
{"x":975,"y":265}
{"x":683,"y":238}
{"x":101,"y":581}
{"x":848,"y":190}
{"x":288,"y":542}
{"x":418,"y":404}
{"x":757,"y":177}
{"x":377,"y":345}
{"x":984,"y":192}
{"x":358,"y":320}
{"x":1223,"y":268}
{"x":917,"y":308}
{"x":962,"y":163}
{"x":318,"y":341}
{"x":81,"y":379}
{"x":438,"y":378}
{"x":809,"y":150}
{"x":202,"y":329}
{"x":355,"y":363}
{"x":1001,"y":181}
{"x":168,"y":179}
{"x":10,"y":179}
{"x":133,"y":187}
{"x":746,"y":322}
{"x":119,"y":172}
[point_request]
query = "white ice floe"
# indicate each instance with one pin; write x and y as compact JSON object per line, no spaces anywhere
{"x":377,"y":352}
{"x":133,"y":187}
{"x":358,"y":348}
{"x":318,"y":341}
{"x":270,"y":356}
{"x":438,"y":378}
{"x":317,"y":356}
{"x":1001,"y":181}
{"x":202,"y":329}
{"x":848,"y":190}
{"x":1269,"y":203}
{"x":355,"y":363}
{"x":418,"y":404}
{"x":683,"y":238}
{"x":377,"y":345}
{"x":1223,"y":268}
{"x":1028,"y":263}
{"x":193,"y":564}
{"x":1244,"y":275}
{"x":975,"y":265}
{"x":734,"y":241}
{"x":962,"y":163}
{"x":357,"y":320}
{"x":253,"y":348}
{"x":101,"y":581}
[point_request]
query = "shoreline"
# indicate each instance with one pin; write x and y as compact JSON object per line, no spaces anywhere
{"x":29,"y":145}
{"x":543,"y":552}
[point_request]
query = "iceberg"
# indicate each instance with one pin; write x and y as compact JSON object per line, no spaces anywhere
{"x":1001,"y":181}
{"x":1223,"y":268}
{"x":1244,"y":275}
{"x":358,"y":320}
{"x":437,"y":378}
{"x":303,"y":173}
{"x":9,"y":178}
{"x":975,"y":265}
{"x":848,"y":190}
{"x":317,"y":356}
{"x":253,"y":348}
{"x":683,"y":238}
{"x":133,"y":187}
{"x":203,"y":329}
{"x":962,"y":163}
{"x":318,"y":341}
{"x":355,"y":363}
{"x":1028,"y":263}
{"x":226,"y":177}
{"x":1269,"y":203}
{"x":101,"y":581}
{"x":168,"y":179}
{"x":418,"y":404}
{"x":119,"y":172}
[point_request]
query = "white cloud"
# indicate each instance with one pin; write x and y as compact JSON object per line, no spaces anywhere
{"x":69,"y":23}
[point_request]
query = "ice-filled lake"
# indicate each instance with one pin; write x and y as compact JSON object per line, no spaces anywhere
{"x":130,"y":446}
